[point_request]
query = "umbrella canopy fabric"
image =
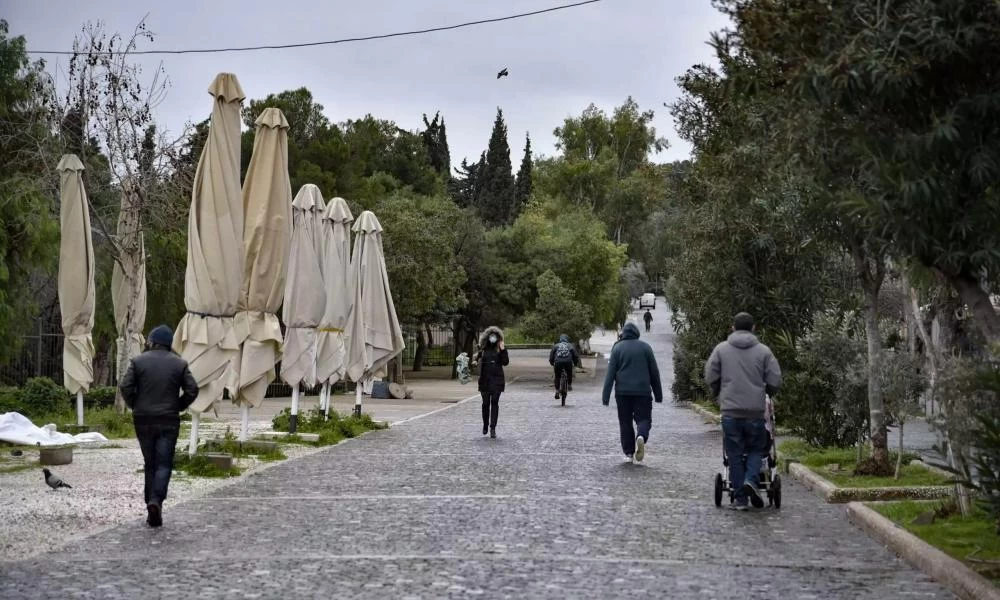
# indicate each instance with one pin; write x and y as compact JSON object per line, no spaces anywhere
{"x":374,"y":335}
{"x":128,"y":281}
{"x":208,"y":336}
{"x":331,"y":358}
{"x":267,"y":205}
{"x":76,"y":277}
{"x":305,"y":298}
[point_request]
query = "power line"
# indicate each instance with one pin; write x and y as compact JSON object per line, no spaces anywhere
{"x":340,"y":41}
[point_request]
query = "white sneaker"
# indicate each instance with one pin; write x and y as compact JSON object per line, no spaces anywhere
{"x":640,"y":448}
{"x":628,"y":459}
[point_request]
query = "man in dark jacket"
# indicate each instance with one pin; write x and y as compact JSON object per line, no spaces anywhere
{"x":648,"y":319}
{"x":633,"y":373}
{"x":563,"y":357}
{"x":740,"y":372}
{"x":157,"y":387}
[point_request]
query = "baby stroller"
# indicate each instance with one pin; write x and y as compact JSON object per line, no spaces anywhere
{"x":770,"y":480}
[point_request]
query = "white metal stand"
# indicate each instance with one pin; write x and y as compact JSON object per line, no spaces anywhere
{"x":325,"y":400}
{"x":79,"y":408}
{"x":245,"y":423}
{"x":293,"y":423}
{"x":193,"y":445}
{"x":359,"y":390}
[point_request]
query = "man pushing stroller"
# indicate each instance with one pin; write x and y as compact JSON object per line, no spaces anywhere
{"x":741,"y":373}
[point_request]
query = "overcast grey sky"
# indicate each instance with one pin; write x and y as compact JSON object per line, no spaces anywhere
{"x":559,"y":62}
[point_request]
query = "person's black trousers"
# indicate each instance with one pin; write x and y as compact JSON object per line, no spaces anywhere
{"x":157,"y":442}
{"x":568,"y":368}
{"x":491,"y":407}
{"x":638,"y":409}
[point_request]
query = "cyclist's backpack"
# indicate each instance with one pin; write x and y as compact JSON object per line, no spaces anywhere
{"x":564,"y":352}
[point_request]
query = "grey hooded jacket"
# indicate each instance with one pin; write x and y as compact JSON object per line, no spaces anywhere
{"x":740,"y":372}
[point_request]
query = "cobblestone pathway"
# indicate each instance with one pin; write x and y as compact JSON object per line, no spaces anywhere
{"x":433,"y":509}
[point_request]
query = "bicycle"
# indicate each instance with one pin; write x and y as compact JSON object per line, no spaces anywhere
{"x":563,"y":386}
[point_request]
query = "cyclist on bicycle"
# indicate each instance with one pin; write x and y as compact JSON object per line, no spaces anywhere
{"x":562,"y":357}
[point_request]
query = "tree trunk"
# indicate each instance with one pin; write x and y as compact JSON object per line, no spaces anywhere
{"x":871,"y":272}
{"x":421,"y":352}
{"x":978,"y":301}
{"x":930,"y":349}
{"x":899,"y":455}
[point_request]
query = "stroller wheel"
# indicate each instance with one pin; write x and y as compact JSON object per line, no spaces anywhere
{"x":718,"y":489}
{"x":776,"y":492}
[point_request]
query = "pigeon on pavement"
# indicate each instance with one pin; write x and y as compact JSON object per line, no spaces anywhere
{"x":54,"y":482}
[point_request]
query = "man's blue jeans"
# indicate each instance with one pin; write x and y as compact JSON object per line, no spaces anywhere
{"x":157,"y":442}
{"x":744,"y":437}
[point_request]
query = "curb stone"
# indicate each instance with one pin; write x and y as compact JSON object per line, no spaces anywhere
{"x":962,"y":580}
{"x":833,"y":494}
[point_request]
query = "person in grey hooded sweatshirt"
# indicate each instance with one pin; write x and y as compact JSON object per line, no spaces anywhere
{"x":633,"y":373}
{"x":740,"y":372}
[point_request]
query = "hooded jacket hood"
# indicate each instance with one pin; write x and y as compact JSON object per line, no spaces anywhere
{"x":484,"y":337}
{"x":743,"y":339}
{"x":630,"y":331}
{"x":564,"y":338}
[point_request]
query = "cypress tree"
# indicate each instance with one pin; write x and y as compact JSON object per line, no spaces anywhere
{"x":495,"y":200}
{"x":523,"y":186}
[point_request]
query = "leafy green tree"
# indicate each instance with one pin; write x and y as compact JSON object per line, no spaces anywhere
{"x":306,"y":120}
{"x":496,"y":197}
{"x":557,"y":312}
{"x":29,"y":229}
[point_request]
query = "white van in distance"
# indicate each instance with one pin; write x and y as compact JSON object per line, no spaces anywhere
{"x":647,"y":300}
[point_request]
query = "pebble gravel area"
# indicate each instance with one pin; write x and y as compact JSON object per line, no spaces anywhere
{"x":433,"y":509}
{"x":107,"y":482}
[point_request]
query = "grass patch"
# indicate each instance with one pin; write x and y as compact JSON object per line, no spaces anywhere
{"x":821,"y":460}
{"x":969,"y":539}
{"x":517,"y":335}
{"x":17,"y":468}
{"x":708,"y":405}
{"x":198,"y":466}
{"x":332,"y":431}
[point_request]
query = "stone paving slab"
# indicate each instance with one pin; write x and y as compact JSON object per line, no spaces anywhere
{"x":431,"y":509}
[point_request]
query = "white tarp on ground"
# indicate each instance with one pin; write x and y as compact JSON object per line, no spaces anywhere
{"x":18,"y":429}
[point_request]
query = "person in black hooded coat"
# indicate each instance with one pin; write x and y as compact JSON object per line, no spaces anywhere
{"x":491,"y":358}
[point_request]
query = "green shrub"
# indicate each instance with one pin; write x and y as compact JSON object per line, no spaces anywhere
{"x":198,"y":466}
{"x":100,"y":396}
{"x":825,"y":398}
{"x":332,"y":431}
{"x":39,"y":396}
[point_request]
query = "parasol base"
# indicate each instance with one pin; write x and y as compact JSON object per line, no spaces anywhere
{"x":293,"y":423}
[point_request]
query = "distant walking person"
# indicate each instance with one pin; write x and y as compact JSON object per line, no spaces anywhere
{"x":563,"y":358}
{"x":648,"y":318}
{"x":492,"y":358}
{"x":633,"y":373}
{"x":157,"y":387}
{"x":740,"y":372}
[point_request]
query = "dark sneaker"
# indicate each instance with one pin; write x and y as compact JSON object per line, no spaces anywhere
{"x":155,"y":516}
{"x":557,"y":395}
{"x":493,"y":432}
{"x":486,"y":429}
{"x":751,"y":491}
{"x":640,"y":448}
{"x":570,"y":388}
